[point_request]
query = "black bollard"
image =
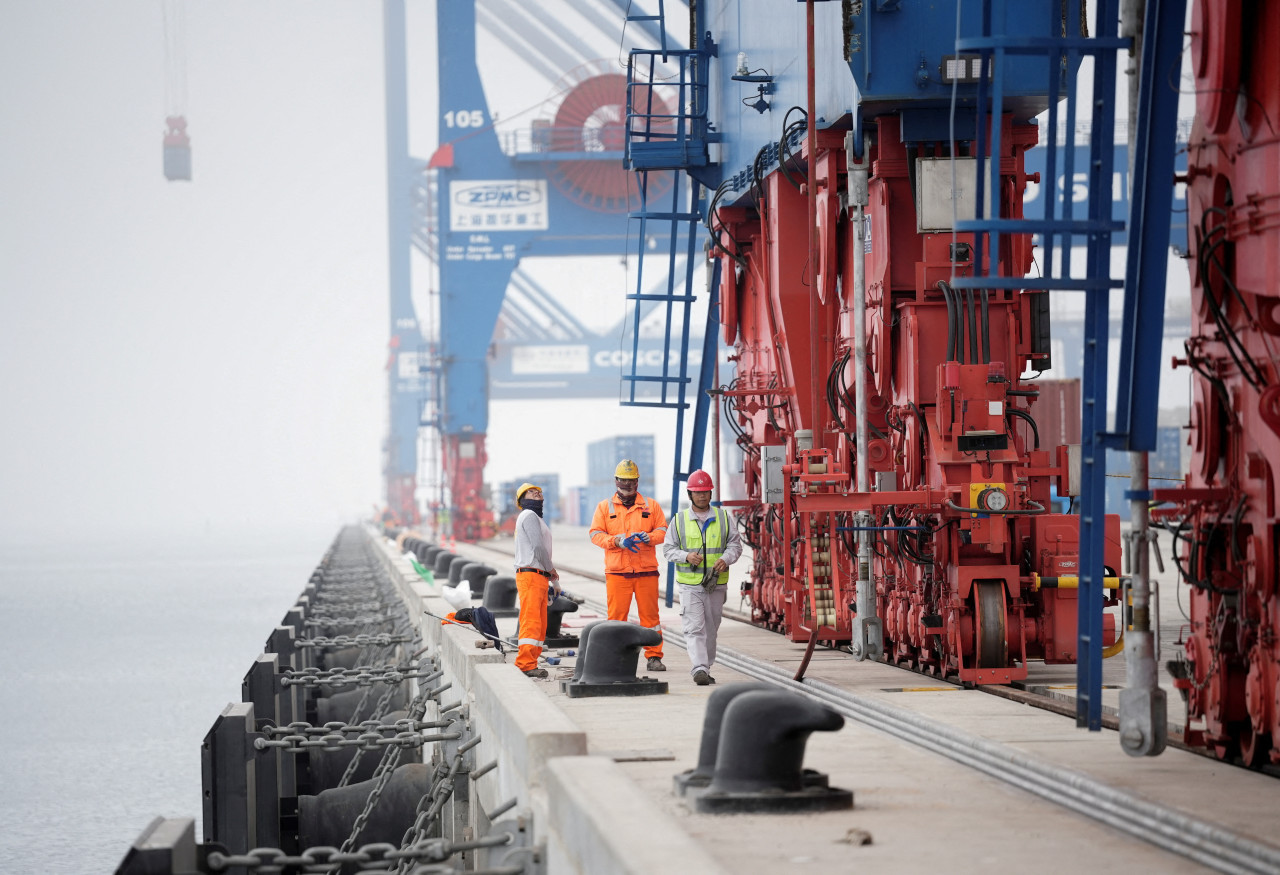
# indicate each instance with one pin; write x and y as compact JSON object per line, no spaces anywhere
{"x":698,"y":778}
{"x":500,"y":596}
{"x":556,"y":609}
{"x":455,"y":569}
{"x":444,"y":560}
{"x":607,"y":665}
{"x":476,"y":574}
{"x":761,"y":753}
{"x":581,"y":662}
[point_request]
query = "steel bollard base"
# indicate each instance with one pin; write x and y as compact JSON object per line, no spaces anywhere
{"x":638,"y":687}
{"x":773,"y":801}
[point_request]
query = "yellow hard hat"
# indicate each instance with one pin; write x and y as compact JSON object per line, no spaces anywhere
{"x":525,"y":487}
{"x":627,"y":470}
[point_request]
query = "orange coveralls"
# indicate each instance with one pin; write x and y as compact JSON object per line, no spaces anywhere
{"x":628,"y":574}
{"x":532,"y":590}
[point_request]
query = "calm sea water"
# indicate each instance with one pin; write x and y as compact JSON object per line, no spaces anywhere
{"x":117,"y":661}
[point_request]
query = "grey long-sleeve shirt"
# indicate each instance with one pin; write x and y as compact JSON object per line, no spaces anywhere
{"x":533,"y":542}
{"x":674,"y":550}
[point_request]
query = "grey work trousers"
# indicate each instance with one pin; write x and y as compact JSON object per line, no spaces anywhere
{"x":700,"y":613}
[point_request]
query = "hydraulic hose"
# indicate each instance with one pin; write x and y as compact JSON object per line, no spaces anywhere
{"x":951,"y":319}
{"x":986,"y":333}
{"x":973,"y":328}
{"x":1023,"y":415}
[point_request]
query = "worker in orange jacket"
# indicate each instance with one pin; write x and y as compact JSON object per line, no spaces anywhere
{"x":629,"y":527}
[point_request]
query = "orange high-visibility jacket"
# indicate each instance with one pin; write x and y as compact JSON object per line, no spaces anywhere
{"x":612,"y":518}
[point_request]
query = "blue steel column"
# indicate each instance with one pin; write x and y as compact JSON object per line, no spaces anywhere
{"x":1151,"y":218}
{"x":1143,"y":705}
{"x":401,"y":455}
{"x":1093,"y":462}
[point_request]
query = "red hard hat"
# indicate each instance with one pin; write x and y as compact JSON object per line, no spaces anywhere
{"x":700,"y":481}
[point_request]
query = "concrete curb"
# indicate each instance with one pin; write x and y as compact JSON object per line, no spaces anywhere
{"x":603,"y":822}
{"x":516,"y":709}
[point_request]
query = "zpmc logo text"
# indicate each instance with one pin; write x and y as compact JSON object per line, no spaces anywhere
{"x":498,"y":196}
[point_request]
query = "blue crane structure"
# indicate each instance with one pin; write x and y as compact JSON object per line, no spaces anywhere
{"x":485,"y":200}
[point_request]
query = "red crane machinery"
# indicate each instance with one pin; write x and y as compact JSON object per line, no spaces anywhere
{"x":973,"y":575}
{"x":1225,"y":521}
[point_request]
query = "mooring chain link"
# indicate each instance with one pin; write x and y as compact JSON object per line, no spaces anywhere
{"x":346,"y":621}
{"x":296,"y":744}
{"x":337,"y":727}
{"x":267,"y":860}
{"x":381,"y":777}
{"x":364,"y":700}
{"x":350,"y":678}
{"x":364,"y":600}
{"x":378,"y":711}
{"x":351,"y":607}
{"x":325,"y":675}
{"x":441,"y":790}
{"x":353,"y":641}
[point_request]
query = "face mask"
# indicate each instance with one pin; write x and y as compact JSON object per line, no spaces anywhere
{"x":627,"y":497}
{"x":530,"y":504}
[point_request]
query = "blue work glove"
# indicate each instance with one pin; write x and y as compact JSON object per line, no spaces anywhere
{"x":643,"y":537}
{"x":629,"y":543}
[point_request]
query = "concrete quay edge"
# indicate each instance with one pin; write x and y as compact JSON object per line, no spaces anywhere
{"x":585,"y":808}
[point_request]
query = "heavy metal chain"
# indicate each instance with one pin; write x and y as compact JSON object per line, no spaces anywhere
{"x":441,"y":790}
{"x":347,"y":677}
{"x":364,"y":700}
{"x":378,"y":711}
{"x":390,"y":760}
{"x":381,"y":777}
{"x":296,"y":744}
{"x":337,"y":726}
{"x":353,"y":607}
{"x":382,"y":854}
{"x":353,"y":641}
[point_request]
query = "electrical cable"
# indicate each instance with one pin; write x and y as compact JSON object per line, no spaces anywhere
{"x":945,"y":288}
{"x":973,"y":327}
{"x":1023,"y":415}
{"x":1205,"y":256}
{"x":986,"y":331}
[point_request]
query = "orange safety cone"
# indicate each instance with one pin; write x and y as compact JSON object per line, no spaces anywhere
{"x":452,"y":545}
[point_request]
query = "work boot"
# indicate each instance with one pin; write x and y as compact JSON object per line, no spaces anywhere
{"x":536,"y":673}
{"x":702,"y":679}
{"x":655,"y":664}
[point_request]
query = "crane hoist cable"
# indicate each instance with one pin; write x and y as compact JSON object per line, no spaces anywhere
{"x":177,"y":145}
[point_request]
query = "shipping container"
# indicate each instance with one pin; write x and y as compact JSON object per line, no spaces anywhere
{"x":604,"y":455}
{"x":1057,"y":413}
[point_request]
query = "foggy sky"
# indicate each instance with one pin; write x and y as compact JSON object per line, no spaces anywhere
{"x":208,"y":356}
{"x":187,"y":356}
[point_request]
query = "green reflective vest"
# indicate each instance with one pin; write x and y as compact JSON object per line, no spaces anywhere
{"x":691,"y":540}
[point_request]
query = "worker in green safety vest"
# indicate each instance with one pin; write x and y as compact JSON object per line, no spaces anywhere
{"x":703,"y":543}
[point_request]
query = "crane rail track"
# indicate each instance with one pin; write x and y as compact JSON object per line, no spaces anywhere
{"x":1169,"y":829}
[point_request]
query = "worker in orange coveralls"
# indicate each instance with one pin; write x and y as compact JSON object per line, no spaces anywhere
{"x":628,"y":527}
{"x":534,"y":572}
